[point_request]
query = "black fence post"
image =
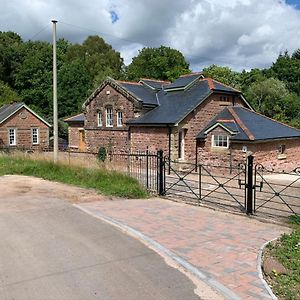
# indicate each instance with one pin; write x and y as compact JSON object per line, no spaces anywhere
{"x":147,"y":167}
{"x":161,"y":188}
{"x":249,"y":185}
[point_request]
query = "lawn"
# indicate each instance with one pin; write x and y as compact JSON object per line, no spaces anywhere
{"x":287,"y":251}
{"x":105,"y":182}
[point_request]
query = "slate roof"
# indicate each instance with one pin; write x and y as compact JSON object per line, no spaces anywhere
{"x":248,"y":125}
{"x":176,"y":105}
{"x":9,"y":109}
{"x":77,"y":118}
{"x":144,"y":94}
{"x":155,"y":84}
{"x":169,"y":105}
{"x":183,"y":81}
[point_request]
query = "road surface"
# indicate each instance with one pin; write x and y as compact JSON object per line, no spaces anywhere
{"x":51,"y":250}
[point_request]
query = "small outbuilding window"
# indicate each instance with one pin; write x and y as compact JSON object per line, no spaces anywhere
{"x":12,"y":137}
{"x":109,"y":116}
{"x":35,"y":136}
{"x":119,"y":119}
{"x":220,"y":141}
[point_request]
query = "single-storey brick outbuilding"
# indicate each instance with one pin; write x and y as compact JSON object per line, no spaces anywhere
{"x":193,"y":119}
{"x":22,"y":128}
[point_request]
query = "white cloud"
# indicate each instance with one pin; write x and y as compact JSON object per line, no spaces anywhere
{"x":237,"y":33}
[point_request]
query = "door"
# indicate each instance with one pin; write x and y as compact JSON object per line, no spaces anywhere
{"x":82,"y":140}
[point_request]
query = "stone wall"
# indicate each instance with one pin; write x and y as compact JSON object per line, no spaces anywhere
{"x":265,"y":153}
{"x":153,"y":138}
{"x":23,"y":121}
{"x":112,"y":138}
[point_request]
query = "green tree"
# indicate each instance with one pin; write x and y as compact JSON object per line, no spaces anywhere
{"x":10,"y":55}
{"x":33,"y":78}
{"x":287,"y":69}
{"x":158,"y":63}
{"x":74,"y":83}
{"x":224,"y":75}
{"x":7,"y":94}
{"x":100,"y":59}
{"x":268,"y":97}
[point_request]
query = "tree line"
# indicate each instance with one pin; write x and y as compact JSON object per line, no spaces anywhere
{"x":26,"y":75}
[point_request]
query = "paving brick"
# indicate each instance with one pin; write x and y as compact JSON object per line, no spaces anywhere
{"x":222,"y":245}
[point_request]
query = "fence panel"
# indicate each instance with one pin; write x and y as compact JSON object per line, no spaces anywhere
{"x":277,"y":194}
{"x":206,"y":184}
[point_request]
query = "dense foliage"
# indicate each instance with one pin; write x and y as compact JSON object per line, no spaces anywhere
{"x":26,"y":75}
{"x":157,"y":63}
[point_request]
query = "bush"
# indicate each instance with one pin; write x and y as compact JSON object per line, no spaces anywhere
{"x":102,"y":154}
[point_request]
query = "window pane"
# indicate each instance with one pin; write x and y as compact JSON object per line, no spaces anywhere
{"x":109,"y":117}
{"x":120,"y":118}
{"x":12,"y":137}
{"x":99,"y":119}
{"x":220,"y":141}
{"x":35,"y":135}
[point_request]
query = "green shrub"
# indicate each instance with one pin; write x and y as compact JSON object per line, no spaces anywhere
{"x":102,"y":154}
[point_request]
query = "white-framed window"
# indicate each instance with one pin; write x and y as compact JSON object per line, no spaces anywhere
{"x":181,"y":144}
{"x":12,"y":137}
{"x":119,"y":119}
{"x":220,"y":141}
{"x":35,"y":136}
{"x":109,"y":116}
{"x":99,"y":119}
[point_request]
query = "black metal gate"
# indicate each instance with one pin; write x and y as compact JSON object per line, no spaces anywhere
{"x":276,"y":193}
{"x":206,"y":184}
{"x":245,"y":187}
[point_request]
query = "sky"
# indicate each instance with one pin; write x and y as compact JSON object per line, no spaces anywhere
{"x":241,"y":34}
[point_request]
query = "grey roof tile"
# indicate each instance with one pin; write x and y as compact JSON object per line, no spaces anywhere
{"x":155,"y":84}
{"x":9,"y":109}
{"x":183,"y":81}
{"x":174,"y":106}
{"x":146,"y":95}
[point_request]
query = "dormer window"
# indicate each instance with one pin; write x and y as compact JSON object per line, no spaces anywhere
{"x":224,"y":99}
{"x":109,"y":116}
{"x":119,"y":119}
{"x":220,"y":141}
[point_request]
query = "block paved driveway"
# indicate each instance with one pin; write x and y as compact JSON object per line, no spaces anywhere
{"x":223,"y":246}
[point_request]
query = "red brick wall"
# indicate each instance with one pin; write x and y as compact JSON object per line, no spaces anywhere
{"x":23,"y":121}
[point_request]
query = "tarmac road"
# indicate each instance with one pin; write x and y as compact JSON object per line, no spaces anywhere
{"x":51,"y":250}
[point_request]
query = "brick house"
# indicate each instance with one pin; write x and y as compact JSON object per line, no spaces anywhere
{"x":188,"y":119}
{"x":21,"y":127}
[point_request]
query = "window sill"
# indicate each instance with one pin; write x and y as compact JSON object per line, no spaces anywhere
{"x":281,"y":156}
{"x":219,"y":149}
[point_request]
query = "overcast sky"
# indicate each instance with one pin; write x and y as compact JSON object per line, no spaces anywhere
{"x":241,"y":34}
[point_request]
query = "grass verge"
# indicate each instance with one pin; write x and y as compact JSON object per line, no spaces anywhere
{"x":287,"y":251}
{"x":106,"y":182}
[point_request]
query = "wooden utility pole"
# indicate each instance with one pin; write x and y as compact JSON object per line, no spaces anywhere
{"x":55,"y":114}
